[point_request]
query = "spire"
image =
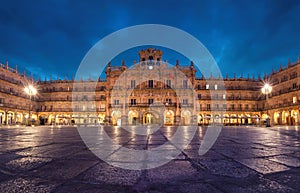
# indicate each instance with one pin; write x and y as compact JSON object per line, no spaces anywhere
{"x":123,"y":62}
{"x":289,"y":62}
{"x":192,"y":64}
{"x":177,"y":63}
{"x":280,"y":68}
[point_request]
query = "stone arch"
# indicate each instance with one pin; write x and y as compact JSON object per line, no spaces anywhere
{"x":169,"y":117}
{"x":294,"y":117}
{"x":116,"y":117}
{"x":185,"y":117}
{"x":151,"y":117}
{"x":133,"y":117}
{"x":276,"y":117}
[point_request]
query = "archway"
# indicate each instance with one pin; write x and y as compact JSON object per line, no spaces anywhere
{"x":116,"y":117}
{"x":10,"y":117}
{"x":168,"y":117}
{"x":217,"y":119}
{"x":101,"y":118}
{"x":294,"y":117}
{"x":2,"y":117}
{"x":226,"y":120}
{"x":43,"y":119}
{"x":247,"y":119}
{"x":133,"y":117}
{"x":284,"y":117}
{"x":150,"y":118}
{"x":206,"y":119}
{"x":200,"y":119}
{"x":277,"y":118}
{"x":185,"y":117}
{"x":19,"y":118}
{"x":233,"y":119}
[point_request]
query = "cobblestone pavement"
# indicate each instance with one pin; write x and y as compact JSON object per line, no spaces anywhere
{"x":243,"y":159}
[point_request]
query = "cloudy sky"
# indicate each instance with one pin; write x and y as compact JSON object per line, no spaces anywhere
{"x":52,"y":37}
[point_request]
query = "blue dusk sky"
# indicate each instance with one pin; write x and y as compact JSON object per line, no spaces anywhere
{"x":245,"y":37}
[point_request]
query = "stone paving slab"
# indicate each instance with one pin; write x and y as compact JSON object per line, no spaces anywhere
{"x":263,"y":166}
{"x":102,"y":173}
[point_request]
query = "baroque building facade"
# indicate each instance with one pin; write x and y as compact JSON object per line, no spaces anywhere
{"x":151,"y":91}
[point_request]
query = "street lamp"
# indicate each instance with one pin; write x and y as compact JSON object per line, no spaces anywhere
{"x":266,"y":90}
{"x":31,"y":91}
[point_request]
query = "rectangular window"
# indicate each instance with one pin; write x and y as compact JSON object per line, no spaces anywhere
{"x":246,"y":106}
{"x":224,"y":106}
{"x":133,"y":101}
{"x":208,"y":107}
{"x":199,"y":87}
{"x":169,"y":101}
{"x":132,"y":84}
{"x":185,"y":101}
{"x":168,"y":82}
{"x":116,"y":102}
{"x":216,"y":106}
{"x":102,"y":107}
{"x":240,"y":106}
{"x":232,"y":106}
{"x":1,"y":100}
{"x":185,"y":83}
{"x":150,"y":83}
{"x":216,"y":87}
{"x":224,"y":96}
{"x":294,"y":99}
{"x":294,"y":85}
{"x":199,"y":96}
{"x":150,"y":101}
{"x":207,"y":87}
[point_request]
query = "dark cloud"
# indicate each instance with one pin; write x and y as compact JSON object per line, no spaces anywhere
{"x":51,"y":38}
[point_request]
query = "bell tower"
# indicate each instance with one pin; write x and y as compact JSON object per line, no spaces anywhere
{"x":150,"y":54}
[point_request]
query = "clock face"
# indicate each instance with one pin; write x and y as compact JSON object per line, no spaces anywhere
{"x":150,"y":67}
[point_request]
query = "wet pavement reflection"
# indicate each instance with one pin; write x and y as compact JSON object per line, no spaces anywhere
{"x":243,"y":159}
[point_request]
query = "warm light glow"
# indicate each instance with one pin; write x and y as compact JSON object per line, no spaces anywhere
{"x":30,"y":90}
{"x":267,"y":89}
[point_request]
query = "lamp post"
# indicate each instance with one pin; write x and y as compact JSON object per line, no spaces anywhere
{"x":266,"y":90}
{"x":31,"y":91}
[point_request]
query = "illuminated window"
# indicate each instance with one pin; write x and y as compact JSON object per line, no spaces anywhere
{"x":224,"y":96}
{"x":216,"y":87}
{"x":207,"y":86}
{"x":294,"y":99}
